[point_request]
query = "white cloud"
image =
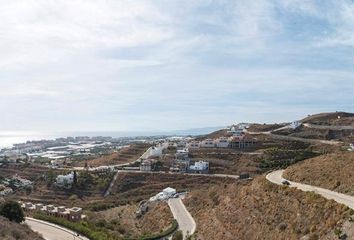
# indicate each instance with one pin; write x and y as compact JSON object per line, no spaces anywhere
{"x":147,"y":64}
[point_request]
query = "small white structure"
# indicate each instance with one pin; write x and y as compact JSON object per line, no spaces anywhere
{"x":200,"y":166}
{"x":157,"y":150}
{"x":237,"y":130}
{"x":222,"y":142}
{"x":164,"y":195}
{"x":6,"y":191}
{"x":295,"y":124}
{"x":207,"y":143}
{"x":351,"y":147}
{"x":65,"y":180}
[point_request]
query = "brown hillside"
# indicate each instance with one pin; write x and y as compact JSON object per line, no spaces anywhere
{"x":331,"y":118}
{"x":332,"y":171}
{"x":122,"y":220}
{"x":262,"y":210}
{"x":14,"y":231}
{"x":255,"y":127}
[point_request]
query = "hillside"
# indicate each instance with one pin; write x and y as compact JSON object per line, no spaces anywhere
{"x":330,"y":118}
{"x":125,"y":155}
{"x":123,"y":221}
{"x":14,"y":231}
{"x":332,"y":171}
{"x":261,"y":210}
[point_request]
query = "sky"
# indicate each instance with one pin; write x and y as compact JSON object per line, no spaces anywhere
{"x":108,"y":65}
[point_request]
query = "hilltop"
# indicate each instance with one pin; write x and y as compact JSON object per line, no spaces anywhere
{"x":331,"y":118}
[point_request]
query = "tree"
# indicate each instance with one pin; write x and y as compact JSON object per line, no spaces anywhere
{"x":75,"y":179}
{"x":178,"y":235}
{"x":13,"y":211}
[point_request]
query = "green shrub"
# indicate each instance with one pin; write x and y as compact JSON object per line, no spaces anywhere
{"x":12,"y":211}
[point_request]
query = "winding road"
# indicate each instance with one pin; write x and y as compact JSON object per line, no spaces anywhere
{"x":50,"y":231}
{"x":276,"y":177}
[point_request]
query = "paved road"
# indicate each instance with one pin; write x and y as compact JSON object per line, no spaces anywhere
{"x":276,"y":177}
{"x":309,"y":125}
{"x":51,"y":231}
{"x":185,"y":220}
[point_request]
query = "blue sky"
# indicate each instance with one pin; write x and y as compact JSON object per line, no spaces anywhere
{"x":162,"y":65}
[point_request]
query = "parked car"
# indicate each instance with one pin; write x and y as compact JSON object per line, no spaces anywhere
{"x":285,"y":182}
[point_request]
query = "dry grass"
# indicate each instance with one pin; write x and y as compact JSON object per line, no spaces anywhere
{"x":255,"y":127}
{"x":14,"y":231}
{"x":332,"y":171}
{"x":123,"y":220}
{"x":261,"y":210}
{"x":331,"y":118}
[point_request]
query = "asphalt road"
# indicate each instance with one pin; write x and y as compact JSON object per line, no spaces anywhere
{"x":185,"y":221}
{"x":276,"y":177}
{"x":51,"y":231}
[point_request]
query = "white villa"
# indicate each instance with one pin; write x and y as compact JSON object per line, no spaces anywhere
{"x":222,"y":142}
{"x":164,"y":195}
{"x":200,"y":166}
{"x":207,"y":143}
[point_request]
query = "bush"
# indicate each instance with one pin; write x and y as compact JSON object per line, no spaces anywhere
{"x":13,"y":211}
{"x":178,"y":235}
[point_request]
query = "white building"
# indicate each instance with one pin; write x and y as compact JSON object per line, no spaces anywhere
{"x":6,"y":191}
{"x":194,"y":144}
{"x":207,"y":143}
{"x":164,"y":195}
{"x":295,"y":124}
{"x":222,"y":142}
{"x":200,"y":166}
{"x":157,"y":150}
{"x":351,"y":147}
{"x":237,"y":130}
{"x":65,"y":180}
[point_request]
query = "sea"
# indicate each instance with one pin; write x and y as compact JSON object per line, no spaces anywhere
{"x":8,"y":138}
